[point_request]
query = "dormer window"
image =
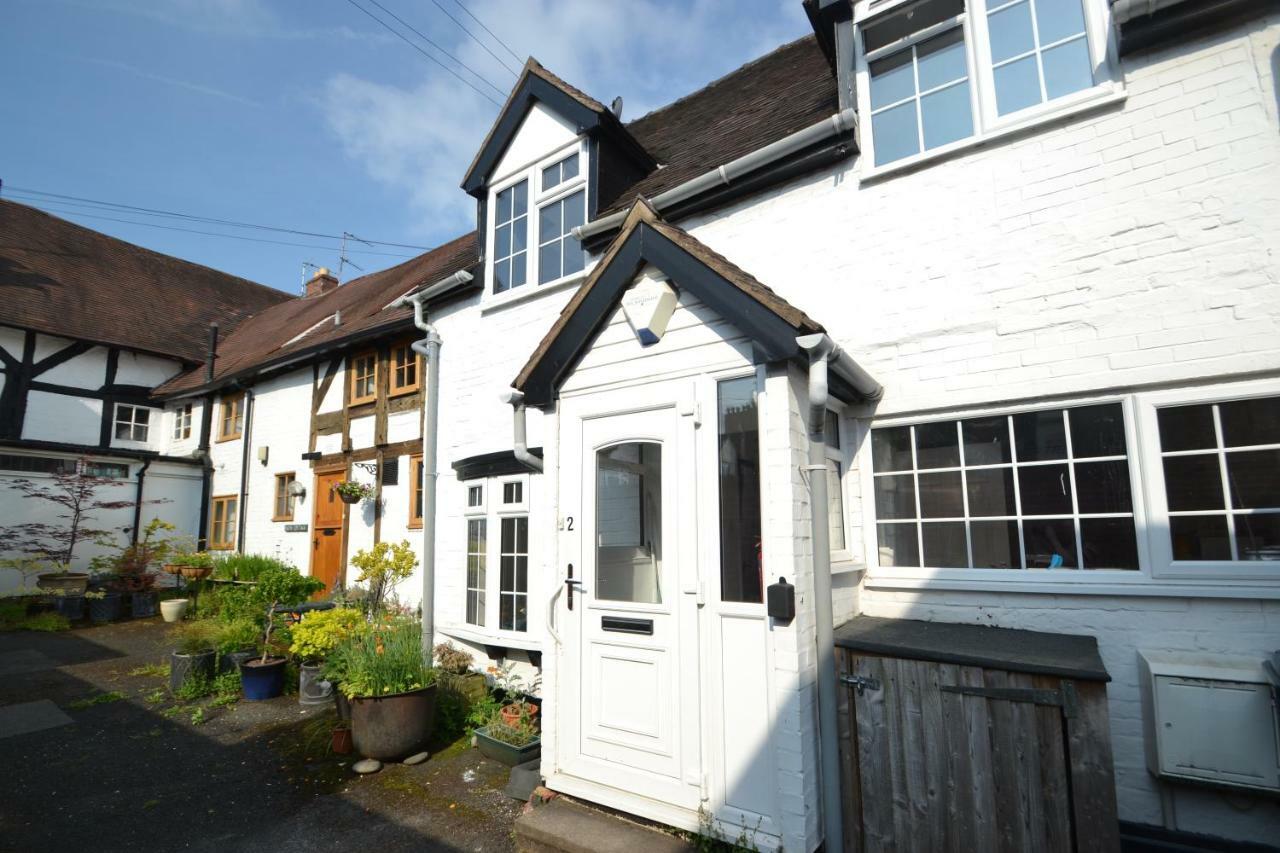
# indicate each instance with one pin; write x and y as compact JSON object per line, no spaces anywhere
{"x":541,"y":204}
{"x":937,"y":75}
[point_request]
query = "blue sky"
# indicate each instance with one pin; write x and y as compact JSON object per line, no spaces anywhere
{"x":307,"y":114}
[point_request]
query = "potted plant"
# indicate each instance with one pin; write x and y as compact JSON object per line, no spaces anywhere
{"x":68,"y":603}
{"x":517,"y":690}
{"x":314,"y":639}
{"x":131,"y":566}
{"x":508,"y":743}
{"x":456,"y":663}
{"x":179,"y":562}
{"x":263,"y":678}
{"x":352,"y":492}
{"x":104,"y":605}
{"x":391,"y":687}
{"x":63,"y":581}
{"x":194,"y":652}
{"x":236,"y":642}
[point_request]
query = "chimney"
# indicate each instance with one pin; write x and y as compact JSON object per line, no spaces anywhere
{"x":322,"y":282}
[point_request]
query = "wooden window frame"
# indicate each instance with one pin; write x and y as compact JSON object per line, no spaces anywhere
{"x":415,"y":486}
{"x":292,"y":477}
{"x":182,"y":418}
{"x":236,"y":403}
{"x":357,"y":400}
{"x":394,"y":389}
{"x":225,"y":543}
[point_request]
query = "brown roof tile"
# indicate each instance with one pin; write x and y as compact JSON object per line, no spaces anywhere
{"x":67,"y":280}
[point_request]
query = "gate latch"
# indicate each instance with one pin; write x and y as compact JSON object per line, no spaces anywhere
{"x":861,"y":683}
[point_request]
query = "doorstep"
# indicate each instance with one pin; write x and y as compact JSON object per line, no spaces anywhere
{"x":564,"y":826}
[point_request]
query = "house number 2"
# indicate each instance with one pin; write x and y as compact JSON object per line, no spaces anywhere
{"x":568,"y":523}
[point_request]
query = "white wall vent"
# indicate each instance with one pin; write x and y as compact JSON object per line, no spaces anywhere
{"x":1211,"y":719}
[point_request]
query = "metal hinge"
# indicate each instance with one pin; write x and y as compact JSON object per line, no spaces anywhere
{"x":860,"y":683}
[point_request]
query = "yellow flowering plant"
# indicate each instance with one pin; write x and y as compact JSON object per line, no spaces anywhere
{"x":382,"y":567}
{"x":320,"y":632}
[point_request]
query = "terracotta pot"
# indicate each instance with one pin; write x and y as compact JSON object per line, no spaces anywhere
{"x":71,"y":582}
{"x":171,"y":569}
{"x":511,"y":714}
{"x":341,"y":740}
{"x":195,"y":573}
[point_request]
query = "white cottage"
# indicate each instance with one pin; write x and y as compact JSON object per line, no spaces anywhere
{"x":991,"y":284}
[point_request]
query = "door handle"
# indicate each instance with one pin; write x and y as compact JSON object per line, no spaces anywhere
{"x":570,"y":584}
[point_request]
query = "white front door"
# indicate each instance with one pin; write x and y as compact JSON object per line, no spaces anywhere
{"x":630,"y":709}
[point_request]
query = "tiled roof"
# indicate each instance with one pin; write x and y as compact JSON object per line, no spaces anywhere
{"x":274,"y":333}
{"x":63,"y":279}
{"x":778,"y":94}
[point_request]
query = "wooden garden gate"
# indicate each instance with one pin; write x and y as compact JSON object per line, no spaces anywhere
{"x":974,"y":739}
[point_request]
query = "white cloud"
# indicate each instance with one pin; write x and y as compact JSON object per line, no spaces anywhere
{"x":418,"y":139}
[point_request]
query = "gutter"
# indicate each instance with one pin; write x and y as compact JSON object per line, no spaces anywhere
{"x":1123,"y":11}
{"x":824,"y":356}
{"x":429,"y":349}
{"x":520,"y":448}
{"x":839,"y":123}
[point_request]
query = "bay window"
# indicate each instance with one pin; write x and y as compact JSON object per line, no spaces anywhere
{"x":497,"y":536}
{"x":933,"y":73}
{"x":533,"y":216}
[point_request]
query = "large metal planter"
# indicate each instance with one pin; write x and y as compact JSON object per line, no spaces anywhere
{"x":505,"y":753}
{"x":392,"y":727}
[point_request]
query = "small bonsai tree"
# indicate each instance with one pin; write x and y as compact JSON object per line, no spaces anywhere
{"x":281,"y":585}
{"x":134,"y":563}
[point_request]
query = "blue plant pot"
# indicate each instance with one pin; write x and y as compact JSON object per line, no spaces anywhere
{"x":105,"y":609}
{"x":262,"y":681}
{"x":143,"y":604}
{"x":70,"y":606}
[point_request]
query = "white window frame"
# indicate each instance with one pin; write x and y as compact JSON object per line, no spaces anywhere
{"x":1156,"y":575}
{"x":538,"y":198}
{"x":1162,"y":563}
{"x":492,"y":510}
{"x":987,"y":124}
{"x":182,"y":417}
{"x":118,"y":421}
{"x":843,"y":456}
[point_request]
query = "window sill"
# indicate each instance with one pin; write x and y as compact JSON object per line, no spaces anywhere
{"x":846,"y":567}
{"x":1105,"y":96}
{"x":526,"y":293}
{"x":1092,"y":585}
{"x":402,"y":392}
{"x":220,"y":439}
{"x":414,"y":525}
{"x":483,"y":637}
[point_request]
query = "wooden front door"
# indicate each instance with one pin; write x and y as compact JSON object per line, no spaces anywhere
{"x":326,"y":529}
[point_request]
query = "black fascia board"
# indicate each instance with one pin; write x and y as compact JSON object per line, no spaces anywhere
{"x":772,"y":337}
{"x":499,"y":464}
{"x":533,"y":89}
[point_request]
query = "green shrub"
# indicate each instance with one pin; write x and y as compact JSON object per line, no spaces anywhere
{"x":195,"y":637}
{"x":235,"y":635}
{"x":384,"y":660}
{"x":49,"y":622}
{"x":248,"y":567}
{"x":320,"y":632}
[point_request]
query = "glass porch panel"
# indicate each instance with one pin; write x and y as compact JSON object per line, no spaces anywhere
{"x":629,"y":523}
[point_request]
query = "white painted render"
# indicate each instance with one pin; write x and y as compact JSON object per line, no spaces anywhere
{"x":541,"y":132}
{"x":62,"y":418}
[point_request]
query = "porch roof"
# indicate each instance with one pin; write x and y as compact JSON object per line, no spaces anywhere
{"x":772,"y":323}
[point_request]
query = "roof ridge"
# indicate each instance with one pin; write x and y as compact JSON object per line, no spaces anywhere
{"x":153,"y":252}
{"x":722,"y":78}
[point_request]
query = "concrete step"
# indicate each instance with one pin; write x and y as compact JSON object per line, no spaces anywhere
{"x":565,"y":826}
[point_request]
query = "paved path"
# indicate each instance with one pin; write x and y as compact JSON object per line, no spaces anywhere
{"x":138,"y":775}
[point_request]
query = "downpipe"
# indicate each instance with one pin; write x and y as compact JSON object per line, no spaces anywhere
{"x":520,"y":442}
{"x":247,"y":440}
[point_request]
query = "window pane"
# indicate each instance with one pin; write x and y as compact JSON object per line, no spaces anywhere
{"x":1258,"y":536}
{"x":1051,"y":543}
{"x":122,"y":431}
{"x":892,"y":79}
{"x":1045,"y":490}
{"x":739,"y":425}
{"x":501,"y":276}
{"x":1017,"y":85}
{"x":904,"y":22}
{"x":894,"y":133}
{"x":1186,"y":428}
{"x":831,"y":428}
{"x":1200,"y":537}
{"x":940,"y":495}
{"x":569,"y":167}
{"x":503,"y":211}
{"x":573,"y":211}
{"x":517,"y":269}
{"x":1109,"y":543}
{"x":551,"y":176}
{"x":937,"y":445}
{"x":946,"y":115}
{"x":520,"y":234}
{"x":629,"y":522}
{"x":898,"y":545}
{"x":941,"y":60}
{"x":995,"y":544}
{"x":502,"y":241}
{"x":549,"y":222}
{"x":1040,"y":436}
{"x":1011,"y":36}
{"x":520,"y":204}
{"x":944,"y":545}
{"x":1103,"y":487}
{"x":1193,"y":482}
{"x":835,"y":501}
{"x":1058,"y":19}
{"x":986,"y":440}
{"x":895,"y":496}
{"x":1067,"y":68}
{"x":1254,"y":479}
{"x":991,"y":492}
{"x":574,"y":258}
{"x":1097,"y":430}
{"x":891,"y":449}
{"x":549,"y":262}
{"x":1247,"y":422}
